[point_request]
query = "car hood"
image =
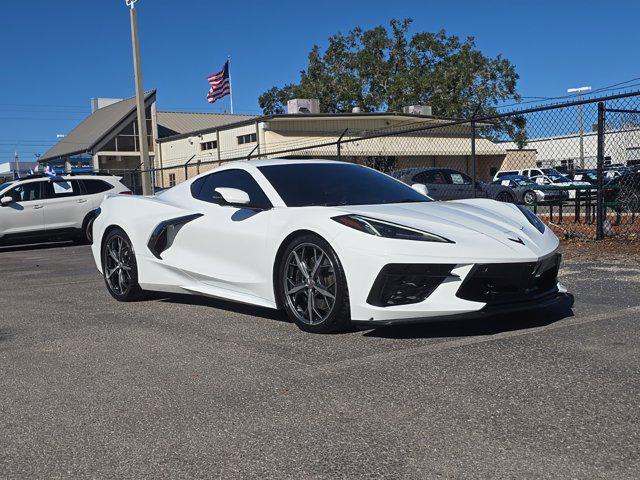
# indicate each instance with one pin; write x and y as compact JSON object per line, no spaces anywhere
{"x":478,"y":224}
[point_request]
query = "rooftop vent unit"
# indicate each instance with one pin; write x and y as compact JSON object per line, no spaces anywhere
{"x":417,"y":110}
{"x":303,"y":105}
{"x":98,"y":103}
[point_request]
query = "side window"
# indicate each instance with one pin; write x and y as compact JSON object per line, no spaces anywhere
{"x":95,"y":186}
{"x":430,"y":176}
{"x":61,"y":189}
{"x":458,"y":178}
{"x":204,"y":188}
{"x":26,"y":192}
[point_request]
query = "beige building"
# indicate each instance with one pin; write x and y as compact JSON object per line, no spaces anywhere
{"x":439,"y":142}
{"x":184,"y":144}
{"x":107,"y":140}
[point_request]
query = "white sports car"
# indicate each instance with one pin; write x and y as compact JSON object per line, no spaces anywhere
{"x":328,"y":242}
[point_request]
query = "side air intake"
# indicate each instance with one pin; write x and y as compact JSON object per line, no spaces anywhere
{"x":164,"y":234}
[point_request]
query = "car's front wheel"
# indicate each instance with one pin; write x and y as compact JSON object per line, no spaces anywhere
{"x":312,"y":287}
{"x":529,"y":197}
{"x":119,"y":266}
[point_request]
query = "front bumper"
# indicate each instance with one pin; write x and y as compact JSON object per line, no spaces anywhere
{"x":547,"y":301}
{"x":363,"y":268}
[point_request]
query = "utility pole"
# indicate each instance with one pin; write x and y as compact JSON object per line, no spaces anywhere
{"x":579,"y":91}
{"x":147,"y":188}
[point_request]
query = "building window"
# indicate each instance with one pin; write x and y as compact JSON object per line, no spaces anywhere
{"x":249,"y":138}
{"x":212,"y":145}
{"x":172,"y":180}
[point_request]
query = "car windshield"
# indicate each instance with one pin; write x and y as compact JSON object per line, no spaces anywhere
{"x":330,"y":184}
{"x":557,"y":178}
{"x":550,"y":171}
{"x":591,"y":175}
{"x":522,"y":181}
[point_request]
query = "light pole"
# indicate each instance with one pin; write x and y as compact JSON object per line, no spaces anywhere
{"x":142,"y":123}
{"x":579,"y":91}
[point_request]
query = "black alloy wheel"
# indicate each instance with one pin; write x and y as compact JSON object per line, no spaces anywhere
{"x":312,"y":286}
{"x":119,"y":266}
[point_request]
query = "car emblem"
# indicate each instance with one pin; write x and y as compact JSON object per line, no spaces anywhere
{"x":517,"y":240}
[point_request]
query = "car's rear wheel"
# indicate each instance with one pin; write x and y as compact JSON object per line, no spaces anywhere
{"x":88,"y":229}
{"x":312,"y":287}
{"x":505,"y":197}
{"x":119,"y":266}
{"x":529,"y":197}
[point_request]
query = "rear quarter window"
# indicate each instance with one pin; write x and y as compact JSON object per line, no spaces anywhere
{"x":96,"y":186}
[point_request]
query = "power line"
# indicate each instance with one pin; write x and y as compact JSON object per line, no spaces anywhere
{"x":562,"y":97}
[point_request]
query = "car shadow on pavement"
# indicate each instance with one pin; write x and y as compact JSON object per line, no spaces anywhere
{"x":241,"y":308}
{"x":35,"y":246}
{"x":479,"y":326}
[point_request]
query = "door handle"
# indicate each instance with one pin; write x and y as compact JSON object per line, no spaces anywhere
{"x":82,"y":200}
{"x":36,"y":207}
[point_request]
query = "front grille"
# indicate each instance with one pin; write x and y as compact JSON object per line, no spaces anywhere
{"x":496,"y":283}
{"x":401,"y":284}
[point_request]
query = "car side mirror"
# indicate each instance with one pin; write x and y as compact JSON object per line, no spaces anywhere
{"x":420,"y":188}
{"x":233,"y":197}
{"x":4,"y":201}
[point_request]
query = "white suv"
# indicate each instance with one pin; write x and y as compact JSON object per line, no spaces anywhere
{"x":40,"y":207}
{"x":527,"y":172}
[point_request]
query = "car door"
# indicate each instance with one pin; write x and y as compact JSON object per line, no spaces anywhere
{"x":24,"y":216}
{"x":226,"y":247}
{"x":65,"y":205}
{"x":435,"y":181}
{"x":461,"y":185}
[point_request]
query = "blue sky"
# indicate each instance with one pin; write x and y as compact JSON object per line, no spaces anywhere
{"x":56,"y":55}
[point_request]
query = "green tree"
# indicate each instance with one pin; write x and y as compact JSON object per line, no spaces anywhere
{"x":385,"y":69}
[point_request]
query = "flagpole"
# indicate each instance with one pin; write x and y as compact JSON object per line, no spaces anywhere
{"x":230,"y":85}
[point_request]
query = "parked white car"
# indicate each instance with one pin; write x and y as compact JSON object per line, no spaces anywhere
{"x":560,"y":180}
{"x":527,"y":172}
{"x":330,"y":243}
{"x":40,"y":207}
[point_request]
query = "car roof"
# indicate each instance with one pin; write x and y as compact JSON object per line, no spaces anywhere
{"x":66,"y":177}
{"x":513,"y":177}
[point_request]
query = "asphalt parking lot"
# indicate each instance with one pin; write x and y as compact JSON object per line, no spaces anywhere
{"x":183,"y":387}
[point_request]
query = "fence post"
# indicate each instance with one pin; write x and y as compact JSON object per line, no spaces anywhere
{"x":251,"y":152}
{"x":339,"y":144}
{"x":473,"y":157}
{"x":186,"y":167}
{"x":600,"y":211}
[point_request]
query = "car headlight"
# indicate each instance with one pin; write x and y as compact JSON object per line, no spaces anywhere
{"x":532,"y":218}
{"x":380,"y":228}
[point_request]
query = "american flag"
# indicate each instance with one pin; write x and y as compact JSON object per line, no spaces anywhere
{"x":220,"y":84}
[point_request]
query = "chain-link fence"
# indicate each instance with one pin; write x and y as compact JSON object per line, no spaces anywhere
{"x":574,"y":164}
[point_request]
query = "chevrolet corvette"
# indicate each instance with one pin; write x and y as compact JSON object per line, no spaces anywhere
{"x":330,"y":243}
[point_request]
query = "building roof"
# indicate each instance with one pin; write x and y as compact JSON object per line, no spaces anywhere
{"x":247,"y":119}
{"x":176,"y":123}
{"x":94,"y":128}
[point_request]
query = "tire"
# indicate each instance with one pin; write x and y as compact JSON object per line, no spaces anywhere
{"x":87,"y":230}
{"x":529,"y":197}
{"x":118,"y":257}
{"x":505,"y":197}
{"x":315,"y":298}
